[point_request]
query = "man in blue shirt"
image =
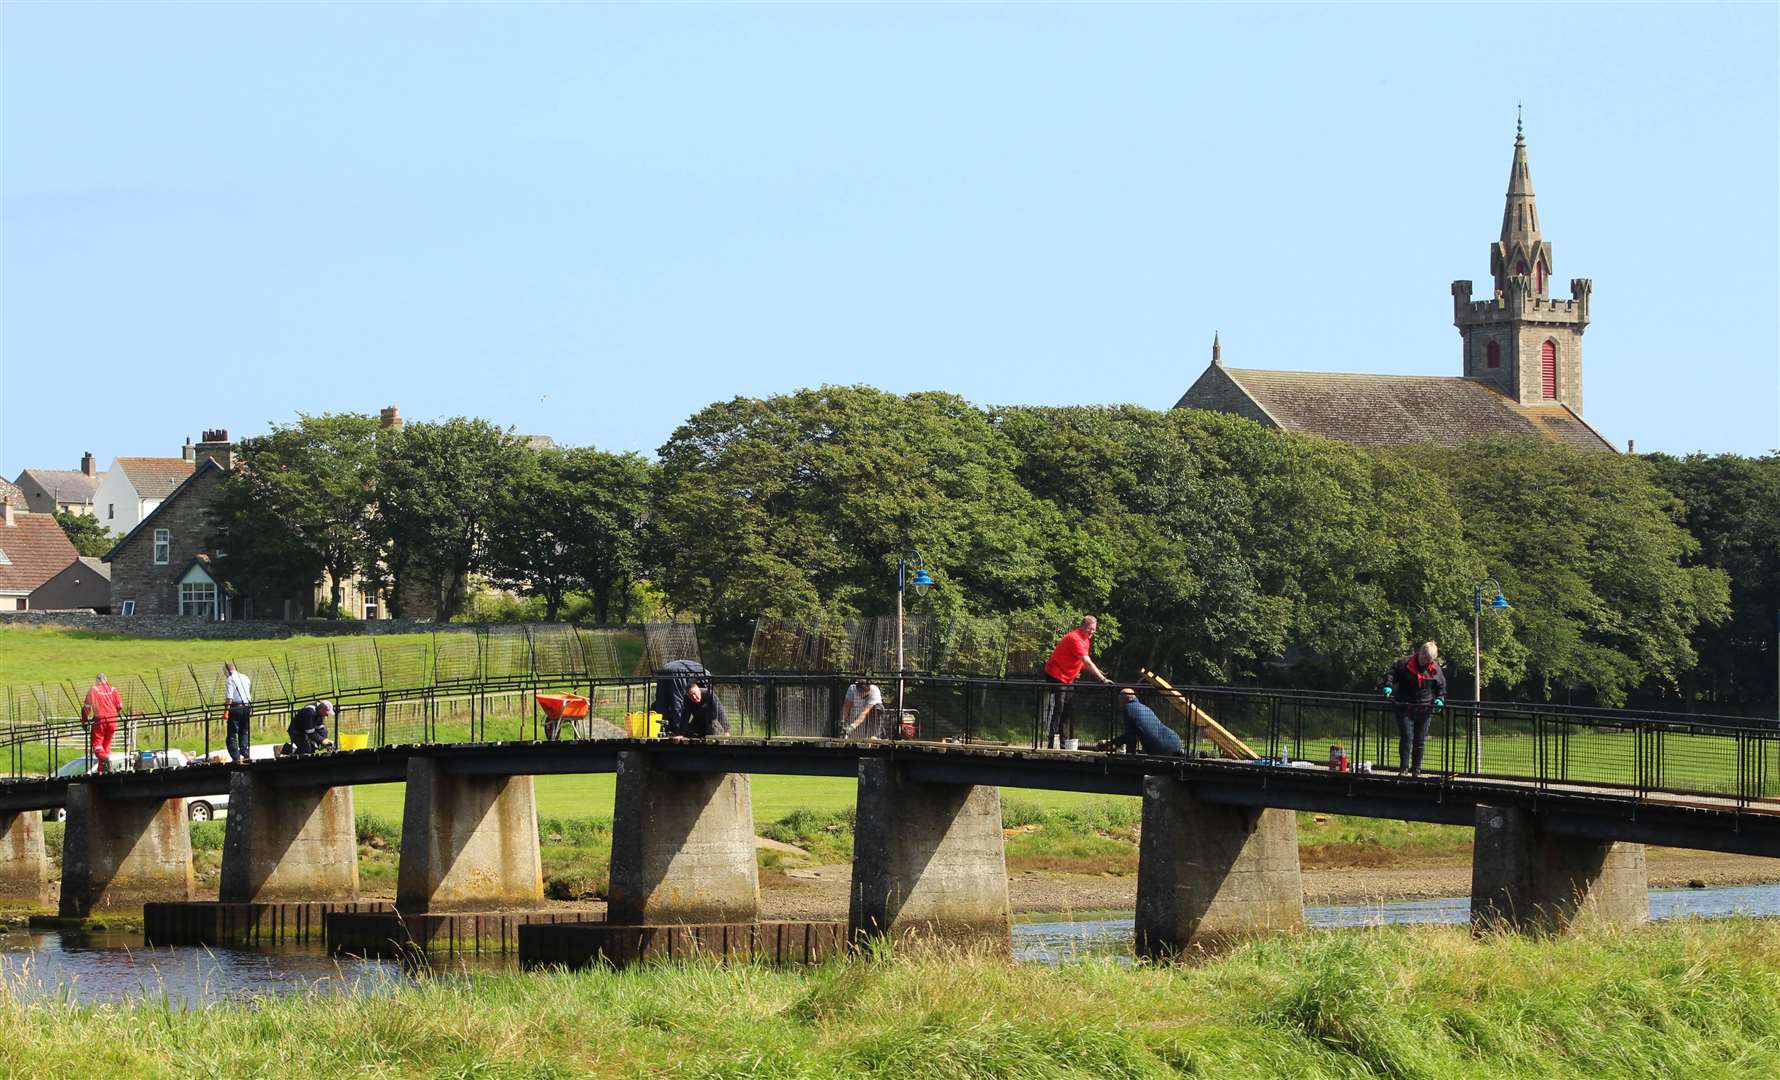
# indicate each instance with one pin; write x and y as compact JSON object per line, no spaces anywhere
{"x":1143,"y":729}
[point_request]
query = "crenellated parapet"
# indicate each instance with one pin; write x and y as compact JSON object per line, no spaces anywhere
{"x":1518,"y":303}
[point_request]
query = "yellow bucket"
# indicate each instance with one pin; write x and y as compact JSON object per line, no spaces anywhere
{"x":643,"y":725}
{"x":354,"y":740}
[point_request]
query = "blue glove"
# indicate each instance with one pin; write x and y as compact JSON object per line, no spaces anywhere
{"x":1440,"y":703}
{"x":1388,"y":690}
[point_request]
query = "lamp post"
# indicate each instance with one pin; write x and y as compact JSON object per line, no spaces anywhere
{"x":1500,"y":603}
{"x":919,"y":579}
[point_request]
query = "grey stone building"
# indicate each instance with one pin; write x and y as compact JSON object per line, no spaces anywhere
{"x":49,"y":490}
{"x":1521,"y":359}
{"x":162,"y":566}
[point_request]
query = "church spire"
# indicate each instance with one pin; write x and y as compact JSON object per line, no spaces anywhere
{"x":1217,"y":352}
{"x":1520,"y":252}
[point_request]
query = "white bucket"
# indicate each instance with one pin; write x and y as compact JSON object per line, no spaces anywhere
{"x":1072,"y":744}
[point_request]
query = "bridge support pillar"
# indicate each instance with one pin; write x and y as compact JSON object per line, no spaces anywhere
{"x":119,"y":852}
{"x":1525,"y":878}
{"x":682,"y":846}
{"x":24,"y":868}
{"x":469,"y":843}
{"x":284,"y":843}
{"x":929,"y":861}
{"x":1208,"y":873}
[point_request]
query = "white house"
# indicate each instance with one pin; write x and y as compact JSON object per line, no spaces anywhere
{"x":134,"y":486}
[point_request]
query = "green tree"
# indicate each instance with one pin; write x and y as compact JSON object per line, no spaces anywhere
{"x":439,"y":488}
{"x":1592,"y":554}
{"x":572,"y":520}
{"x":85,"y":532}
{"x":798,"y":505}
{"x":1731,"y":506}
{"x":296,"y":506}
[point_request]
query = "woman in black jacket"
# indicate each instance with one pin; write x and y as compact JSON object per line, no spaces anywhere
{"x":1417,"y":686}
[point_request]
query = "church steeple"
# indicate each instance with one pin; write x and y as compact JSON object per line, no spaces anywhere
{"x":1521,"y":340}
{"x":1520,"y":252}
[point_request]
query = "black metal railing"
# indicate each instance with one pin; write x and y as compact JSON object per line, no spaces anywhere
{"x":484,"y":688}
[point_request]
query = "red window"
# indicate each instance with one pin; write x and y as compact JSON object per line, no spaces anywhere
{"x":1539,"y":280}
{"x":1548,"y":370}
{"x":1493,"y":355}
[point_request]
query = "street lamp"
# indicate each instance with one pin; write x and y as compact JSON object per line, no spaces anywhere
{"x":918,"y":579}
{"x":1500,"y":603}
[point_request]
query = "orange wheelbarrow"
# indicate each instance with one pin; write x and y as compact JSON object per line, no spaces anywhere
{"x":562,"y":710}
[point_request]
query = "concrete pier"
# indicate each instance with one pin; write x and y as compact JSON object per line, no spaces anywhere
{"x":682,"y":846}
{"x":469,"y":843}
{"x":24,"y":868}
{"x":929,"y":861}
{"x":1524,"y":878}
{"x":1208,"y":873}
{"x":287,"y":844}
{"x":119,"y":852}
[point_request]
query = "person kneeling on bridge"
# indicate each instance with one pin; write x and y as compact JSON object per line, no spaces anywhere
{"x":309,"y":729}
{"x":1417,"y":686}
{"x":1143,"y":730}
{"x":687,"y":702}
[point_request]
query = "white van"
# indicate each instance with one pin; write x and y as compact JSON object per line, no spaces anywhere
{"x":201,"y":808}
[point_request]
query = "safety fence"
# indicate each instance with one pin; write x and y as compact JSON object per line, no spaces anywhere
{"x":493,"y":698}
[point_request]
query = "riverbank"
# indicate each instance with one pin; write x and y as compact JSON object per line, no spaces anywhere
{"x":1693,"y":999}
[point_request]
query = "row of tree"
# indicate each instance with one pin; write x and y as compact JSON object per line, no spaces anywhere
{"x":1212,"y":547}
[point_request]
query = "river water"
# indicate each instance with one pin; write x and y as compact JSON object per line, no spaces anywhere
{"x":115,"y":966}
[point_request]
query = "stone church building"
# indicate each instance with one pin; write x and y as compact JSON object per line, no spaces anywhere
{"x":1522,"y":361}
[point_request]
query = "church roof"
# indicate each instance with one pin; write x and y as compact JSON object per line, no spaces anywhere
{"x":1392,"y":410}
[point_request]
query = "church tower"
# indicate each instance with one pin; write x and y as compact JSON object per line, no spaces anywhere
{"x":1521,"y":341}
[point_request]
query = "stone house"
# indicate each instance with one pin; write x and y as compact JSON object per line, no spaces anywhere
{"x":49,"y":490}
{"x":84,"y":584}
{"x":164,"y":566}
{"x":33,"y":549}
{"x":1521,"y":361}
{"x":131,"y":489}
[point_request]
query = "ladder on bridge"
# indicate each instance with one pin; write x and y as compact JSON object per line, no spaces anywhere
{"x":1216,"y":732}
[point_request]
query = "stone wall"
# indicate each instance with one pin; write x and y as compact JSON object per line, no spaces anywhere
{"x":173,"y":626}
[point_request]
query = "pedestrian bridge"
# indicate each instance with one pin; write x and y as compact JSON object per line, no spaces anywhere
{"x":1218,"y":852}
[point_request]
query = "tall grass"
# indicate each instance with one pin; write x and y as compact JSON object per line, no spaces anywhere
{"x":1688,"y":999}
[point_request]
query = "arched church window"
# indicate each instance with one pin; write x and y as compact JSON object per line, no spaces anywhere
{"x":1548,"y":370}
{"x":1493,"y":355}
{"x":1521,"y":267}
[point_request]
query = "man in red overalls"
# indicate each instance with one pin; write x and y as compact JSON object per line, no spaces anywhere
{"x":102,"y":707}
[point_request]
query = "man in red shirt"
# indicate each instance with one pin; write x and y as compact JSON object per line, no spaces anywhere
{"x":1062,"y":669}
{"x":102,"y":707}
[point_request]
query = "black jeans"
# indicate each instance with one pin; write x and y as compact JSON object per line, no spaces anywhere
{"x":1057,"y":696}
{"x":238,"y":734}
{"x":1412,"y":735}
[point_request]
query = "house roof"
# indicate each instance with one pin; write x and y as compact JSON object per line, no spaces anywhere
{"x":200,"y":469}
{"x":96,"y":565}
{"x":156,"y":477}
{"x":67,"y":485}
{"x":1390,"y":410}
{"x":33,"y":549}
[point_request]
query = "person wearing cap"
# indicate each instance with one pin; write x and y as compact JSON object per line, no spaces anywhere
{"x":101,"y":708}
{"x":237,"y":711}
{"x":1416,"y":686}
{"x":309,"y":728}
{"x":1143,"y":729}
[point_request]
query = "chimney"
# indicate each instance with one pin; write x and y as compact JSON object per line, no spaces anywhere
{"x":391,"y":419}
{"x":88,"y":464}
{"x":1631,"y":447}
{"x":8,"y":512}
{"x":187,"y":452}
{"x":216,"y":445}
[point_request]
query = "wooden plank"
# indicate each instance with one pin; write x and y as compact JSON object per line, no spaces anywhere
{"x":1216,"y":732}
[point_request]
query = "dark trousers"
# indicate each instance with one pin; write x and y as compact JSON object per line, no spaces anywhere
{"x":1057,"y":696}
{"x":238,"y":734}
{"x":1412,"y":735}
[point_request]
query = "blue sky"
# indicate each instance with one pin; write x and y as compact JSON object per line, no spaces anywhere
{"x":591,"y":221}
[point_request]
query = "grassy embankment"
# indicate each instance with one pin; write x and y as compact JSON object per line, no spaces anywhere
{"x":1700,"y":1000}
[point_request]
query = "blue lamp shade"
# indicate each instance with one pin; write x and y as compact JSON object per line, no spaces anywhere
{"x":922,"y":580}
{"x":1500,"y":602}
